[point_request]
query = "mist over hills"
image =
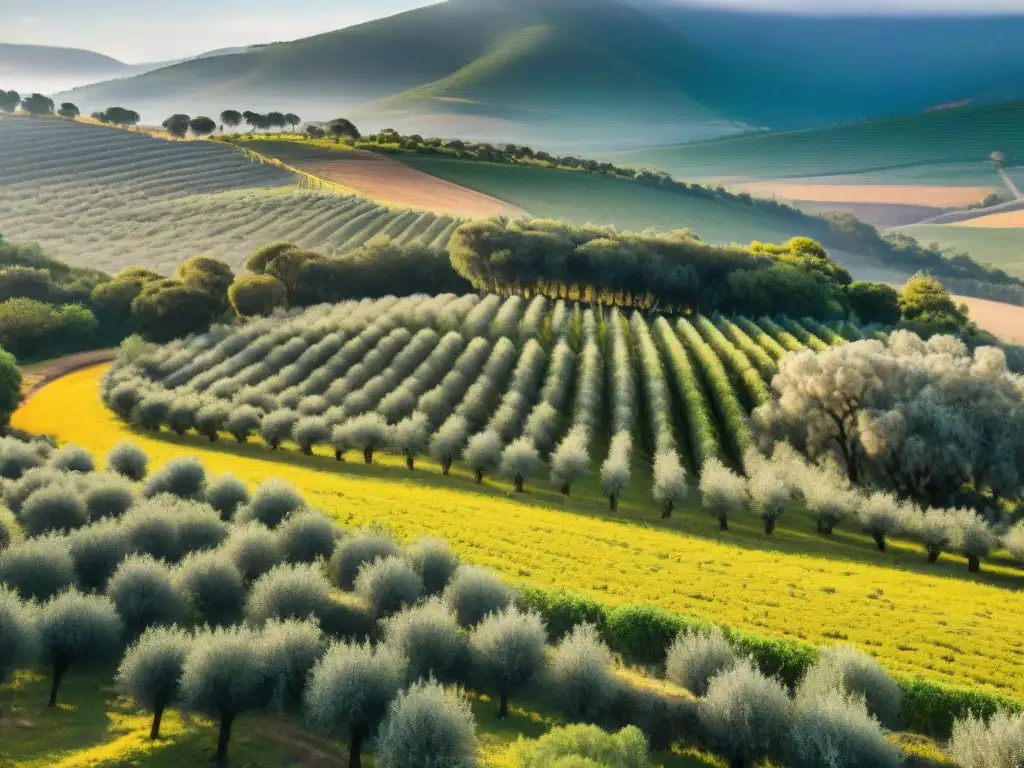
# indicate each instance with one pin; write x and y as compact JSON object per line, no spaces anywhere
{"x":589,"y":74}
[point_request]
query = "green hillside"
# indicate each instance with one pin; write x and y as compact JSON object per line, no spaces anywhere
{"x":1003,"y":248}
{"x":967,"y":135}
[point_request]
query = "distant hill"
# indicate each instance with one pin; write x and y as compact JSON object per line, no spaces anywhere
{"x":552,"y":70}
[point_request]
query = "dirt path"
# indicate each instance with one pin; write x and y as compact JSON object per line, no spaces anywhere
{"x":37,"y":375}
{"x":1010,"y":185}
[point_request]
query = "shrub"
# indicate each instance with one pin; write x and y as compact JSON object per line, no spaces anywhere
{"x":310,"y":432}
{"x":483,"y":453}
{"x":696,"y":657}
{"x":212,"y":586}
{"x":19,"y":637}
{"x":271,"y":503}
{"x":509,"y":651}
{"x":593,"y":747}
{"x":580,"y":675}
{"x":125,"y":398}
{"x":150,"y":672}
{"x":722,"y":491}
{"x":242,"y":422}
{"x":833,"y":730}
{"x":254,"y":550}
{"x":882,"y":515}
{"x":152,"y":410}
{"x":181,"y":416}
{"x":288,"y":592}
{"x":363,"y":547}
{"x":184,"y":478}
{"x":152,"y":528}
{"x":427,"y":726}
{"x":97,"y":550}
{"x":277,"y":426}
{"x":291,"y":649}
{"x":857,"y":674}
{"x":475,"y":592}
{"x":998,"y":743}
{"x":38,"y":568}
{"x":430,"y":637}
{"x":224,"y":676}
{"x":144,"y":593}
{"x":16,"y":458}
{"x":745,"y":715}
{"x":350,"y":689}
{"x":74,"y":630}
{"x":73,"y":458}
{"x":974,"y":537}
{"x":388,"y":585}
{"x":211,"y":419}
{"x":109,"y":496}
{"x":128,"y":460}
{"x":226,"y":495}
{"x":199,"y":527}
{"x":10,"y":530}
{"x":520,"y":461}
{"x":16,"y":492}
{"x":53,"y":508}
{"x":306,"y":536}
{"x":435,"y":562}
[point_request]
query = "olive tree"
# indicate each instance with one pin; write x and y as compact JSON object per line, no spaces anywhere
{"x":474,"y":592}
{"x":834,"y":729}
{"x":508,"y":649}
{"x":670,"y":488}
{"x":53,"y":508}
{"x":277,"y":427}
{"x":586,"y":746}
{"x":570,"y":459}
{"x":311,"y":431}
{"x":722,"y":491}
{"x":410,"y":437}
{"x":77,"y":630}
{"x":144,"y":593}
{"x":38,"y":568}
{"x":430,"y":638}
{"x":857,"y":674}
{"x":210,"y":419}
{"x":212,"y":587}
{"x":745,"y":715}
{"x":694,"y":658}
{"x":366,"y":433}
{"x":306,"y":536}
{"x":435,"y":562}
{"x":288,"y":592}
{"x":73,"y":458}
{"x":225,"y":676}
{"x":520,"y":461}
{"x":254,"y":549}
{"x":97,"y":550}
{"x":1014,"y":541}
{"x":580,"y":674}
{"x":365,"y":546}
{"x":768,"y":495}
{"x":448,"y":441}
{"x":19,"y":637}
{"x":483,"y":453}
{"x":388,"y":585}
{"x":150,"y":672}
{"x":10,"y":529}
{"x":226,"y":495}
{"x":242,"y":422}
{"x":427,"y":726}
{"x":996,"y":743}
{"x":271,"y":503}
{"x":882,"y":515}
{"x":291,"y":649}
{"x":615,"y":472}
{"x":350,"y":689}
{"x":184,"y":478}
{"x":128,"y":460}
{"x":109,"y":496}
{"x":973,"y":538}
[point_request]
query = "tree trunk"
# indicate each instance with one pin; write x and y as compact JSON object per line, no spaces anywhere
{"x":158,"y":715}
{"x":879,"y":538}
{"x":503,"y":705}
{"x":666,"y":510}
{"x":410,"y":461}
{"x":213,"y":437}
{"x":479,"y":476}
{"x":58,"y":673}
{"x":769,"y":526}
{"x":933,"y":553}
{"x":723,"y":523}
{"x":368,"y":455}
{"x":223,"y":738}
{"x":274,"y":444}
{"x":339,"y":454}
{"x":355,"y":748}
{"x":613,"y":502}
{"x":518,"y":480}
{"x":973,"y":563}
{"x":446,"y":466}
{"x":565,"y":490}
{"x":308,"y":450}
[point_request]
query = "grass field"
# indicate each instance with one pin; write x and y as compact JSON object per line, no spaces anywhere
{"x":105,"y":198}
{"x":1003,"y":248}
{"x":584,"y":197}
{"x":939,"y":141}
{"x":953,"y":626}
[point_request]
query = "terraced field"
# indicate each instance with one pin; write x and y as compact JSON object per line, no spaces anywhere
{"x":105,"y":198}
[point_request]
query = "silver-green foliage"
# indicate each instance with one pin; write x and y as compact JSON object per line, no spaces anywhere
{"x":145,"y":595}
{"x":857,"y":674}
{"x":388,"y":584}
{"x":474,"y":592}
{"x":226,"y":495}
{"x":997,"y":743}
{"x":428,"y":726}
{"x":288,"y":592}
{"x":508,"y":650}
{"x":694,"y":658}
{"x":306,"y":536}
{"x":580,"y":674}
{"x":150,"y":672}
{"x":831,"y":729}
{"x":213,"y":587}
{"x":72,"y":458}
{"x":364,"y":546}
{"x":291,"y":649}
{"x":272,"y":502}
{"x":184,"y":478}
{"x":430,"y":637}
{"x":97,"y":550}
{"x":77,"y":629}
{"x":19,"y":638}
{"x":587,"y":744}
{"x":38,"y":568}
{"x":53,"y":508}
{"x":254,"y":549}
{"x":435,"y":562}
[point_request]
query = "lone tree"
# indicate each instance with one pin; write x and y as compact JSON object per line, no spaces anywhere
{"x":178,"y":125}
{"x":202,"y":126}
{"x":427,"y":726}
{"x":349,"y":692}
{"x":77,"y":629}
{"x":998,"y":160}
{"x":10,"y":387}
{"x":231,"y":118}
{"x":37,"y":104}
{"x":508,"y":648}
{"x":150,"y":671}
{"x":292,"y":119}
{"x":68,"y":110}
{"x":223,"y":677}
{"x":341,"y":127}
{"x":9,"y":100}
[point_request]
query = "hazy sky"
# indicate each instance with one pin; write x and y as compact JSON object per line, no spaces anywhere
{"x":153,"y":30}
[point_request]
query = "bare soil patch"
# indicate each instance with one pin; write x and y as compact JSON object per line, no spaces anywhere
{"x":34,"y":377}
{"x":1003,"y":320}
{"x":390,"y":182}
{"x":1005,"y":220}
{"x":889,"y":194}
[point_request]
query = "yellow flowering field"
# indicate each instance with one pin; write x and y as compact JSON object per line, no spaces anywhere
{"x":941,"y":623}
